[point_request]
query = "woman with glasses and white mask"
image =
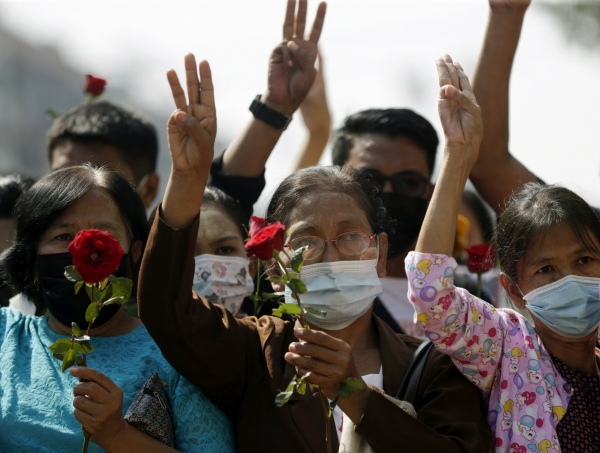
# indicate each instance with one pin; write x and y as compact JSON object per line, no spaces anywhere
{"x":242,"y":364}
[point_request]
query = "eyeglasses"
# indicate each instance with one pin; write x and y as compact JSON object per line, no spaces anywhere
{"x":352,"y":243}
{"x":407,"y":183}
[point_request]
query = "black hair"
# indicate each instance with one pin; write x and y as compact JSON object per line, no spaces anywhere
{"x":345,"y":180}
{"x":12,"y":186}
{"x":531,"y":212}
{"x":390,"y":123}
{"x":46,"y":200}
{"x":230,"y":205}
{"x":102,"y":122}
{"x":482,"y":213}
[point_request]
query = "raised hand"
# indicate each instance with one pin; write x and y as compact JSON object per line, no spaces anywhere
{"x":505,"y":6}
{"x":292,"y":63}
{"x":314,"y":109}
{"x":192,"y":128}
{"x":458,"y":109}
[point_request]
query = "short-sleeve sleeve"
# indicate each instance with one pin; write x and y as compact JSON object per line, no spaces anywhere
{"x":199,"y":425}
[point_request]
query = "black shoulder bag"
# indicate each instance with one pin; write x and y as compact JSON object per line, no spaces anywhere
{"x":408,"y":389}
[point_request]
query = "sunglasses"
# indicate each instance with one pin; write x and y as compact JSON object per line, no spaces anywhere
{"x":407,"y":183}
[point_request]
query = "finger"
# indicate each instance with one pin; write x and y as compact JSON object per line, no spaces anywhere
{"x":320,"y":338}
{"x":301,"y":19}
{"x":176,"y":90}
{"x":443,"y":74}
{"x":315,"y":351}
{"x":465,"y":84}
{"x":463,"y":101}
{"x":91,"y":390}
{"x":88,"y":406}
{"x":84,"y":418}
{"x":451,"y":70}
{"x":286,"y":55}
{"x":304,"y":56}
{"x":317,"y":27}
{"x":91,"y":375}
{"x":191,"y":77}
{"x":312,"y":365}
{"x":190,"y":126}
{"x":207,"y":91}
{"x":288,"y":24}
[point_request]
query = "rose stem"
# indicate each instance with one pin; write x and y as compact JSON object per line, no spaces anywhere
{"x":258,"y":278}
{"x":294,"y":295}
{"x":479,"y":284}
{"x":327,"y":421}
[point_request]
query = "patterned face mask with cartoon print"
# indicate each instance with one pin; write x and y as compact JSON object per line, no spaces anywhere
{"x":223,"y":280}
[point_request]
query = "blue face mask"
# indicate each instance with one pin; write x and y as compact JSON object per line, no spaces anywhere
{"x":569,"y":306}
{"x":338,"y":293}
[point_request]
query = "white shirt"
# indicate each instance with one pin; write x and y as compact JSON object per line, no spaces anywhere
{"x":22,"y":304}
{"x":395,"y":300}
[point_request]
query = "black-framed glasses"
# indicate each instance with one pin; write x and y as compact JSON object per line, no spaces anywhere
{"x":352,"y":243}
{"x":408,"y":183}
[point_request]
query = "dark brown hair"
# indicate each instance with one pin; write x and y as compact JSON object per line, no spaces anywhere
{"x":345,"y":180}
{"x":529,"y":215}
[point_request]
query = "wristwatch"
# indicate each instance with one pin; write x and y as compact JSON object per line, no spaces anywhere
{"x":268,"y":115}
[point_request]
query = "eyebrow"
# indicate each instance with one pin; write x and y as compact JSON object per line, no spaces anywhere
{"x":225,"y":239}
{"x":546,"y":259}
{"x":107,"y":226}
{"x":309,"y":226}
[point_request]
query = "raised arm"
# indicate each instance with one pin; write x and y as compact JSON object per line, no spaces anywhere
{"x":317,"y":119}
{"x":497,"y":173}
{"x":291,"y":74}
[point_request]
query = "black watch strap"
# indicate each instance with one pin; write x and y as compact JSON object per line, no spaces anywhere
{"x":268,"y":115}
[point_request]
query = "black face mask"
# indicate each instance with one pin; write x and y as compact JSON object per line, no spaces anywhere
{"x":409,"y":213}
{"x":59,"y":296}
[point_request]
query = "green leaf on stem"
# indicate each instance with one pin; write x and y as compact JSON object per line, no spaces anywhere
{"x":298,"y":259}
{"x":120,"y":287}
{"x":278,"y":279}
{"x":287,"y":309}
{"x":72,"y":274}
{"x":78,"y":361}
{"x":75,"y":330}
{"x":61,"y":345}
{"x":92,"y":311}
{"x":82,"y":347}
{"x":68,"y":360}
{"x":312,"y":311}
{"x":297,"y":286}
{"x":93,"y":292}
{"x":59,"y":355}
{"x":284,"y":397}
{"x":301,"y":388}
{"x":78,"y":286}
{"x":271,"y":296}
{"x":349,"y":386}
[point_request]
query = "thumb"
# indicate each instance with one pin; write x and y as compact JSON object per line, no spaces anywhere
{"x":454,"y":94}
{"x":305,"y":57}
{"x":189,"y":124}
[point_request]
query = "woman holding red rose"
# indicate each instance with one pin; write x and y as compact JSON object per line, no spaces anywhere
{"x":242,"y":364}
{"x":36,"y":411}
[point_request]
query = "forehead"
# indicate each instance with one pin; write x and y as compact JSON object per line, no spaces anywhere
{"x":327,"y":212}
{"x":96,"y":206}
{"x":215,"y":223}
{"x":388,"y":155}
{"x":69,"y":153}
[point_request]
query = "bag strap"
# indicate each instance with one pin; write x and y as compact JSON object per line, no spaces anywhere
{"x":408,"y":389}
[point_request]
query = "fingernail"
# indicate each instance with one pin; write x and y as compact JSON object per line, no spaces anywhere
{"x":73,"y":370}
{"x":180,"y":117}
{"x":294,"y":345}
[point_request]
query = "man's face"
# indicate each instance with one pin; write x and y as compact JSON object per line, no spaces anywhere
{"x":69,"y":153}
{"x":388,"y":156}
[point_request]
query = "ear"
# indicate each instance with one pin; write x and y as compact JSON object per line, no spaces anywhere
{"x":513,"y":291}
{"x":383,"y":249}
{"x":136,"y":250}
{"x":149,"y":189}
{"x":273,"y":270}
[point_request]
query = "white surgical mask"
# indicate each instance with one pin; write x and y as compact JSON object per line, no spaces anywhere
{"x":569,"y":306}
{"x":223,"y":280}
{"x":342,"y":290}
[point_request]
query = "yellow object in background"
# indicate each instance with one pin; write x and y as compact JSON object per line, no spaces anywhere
{"x":462,"y":236}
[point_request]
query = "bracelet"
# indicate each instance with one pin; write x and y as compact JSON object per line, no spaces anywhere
{"x":267,"y":115}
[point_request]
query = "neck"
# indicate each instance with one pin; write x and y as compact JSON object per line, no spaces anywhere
{"x":120,"y":324}
{"x":577,"y":353}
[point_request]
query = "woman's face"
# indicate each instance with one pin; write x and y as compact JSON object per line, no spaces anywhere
{"x":95,"y":209}
{"x":558,"y":254}
{"x":218,"y":234}
{"x":329,"y":214}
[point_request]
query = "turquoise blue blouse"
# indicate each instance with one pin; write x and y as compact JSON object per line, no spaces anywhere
{"x":36,"y":399}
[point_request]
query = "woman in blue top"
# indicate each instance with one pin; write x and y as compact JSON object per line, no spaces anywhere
{"x":36,"y":398}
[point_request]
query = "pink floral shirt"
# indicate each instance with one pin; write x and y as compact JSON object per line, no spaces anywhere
{"x":498,"y":350}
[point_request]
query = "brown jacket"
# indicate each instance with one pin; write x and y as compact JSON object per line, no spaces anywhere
{"x":239,"y":365}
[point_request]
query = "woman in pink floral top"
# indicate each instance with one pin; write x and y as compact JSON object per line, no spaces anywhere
{"x":549,"y":251}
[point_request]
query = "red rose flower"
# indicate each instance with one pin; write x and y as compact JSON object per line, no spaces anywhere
{"x":256,"y":224}
{"x":481,"y":258}
{"x":264,"y":240}
{"x":94,"y":86}
{"x":96,"y":255}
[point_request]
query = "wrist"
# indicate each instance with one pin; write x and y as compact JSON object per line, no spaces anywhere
{"x":509,"y":13}
{"x":111,"y":444}
{"x":355,"y":406}
{"x":283,"y":108}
